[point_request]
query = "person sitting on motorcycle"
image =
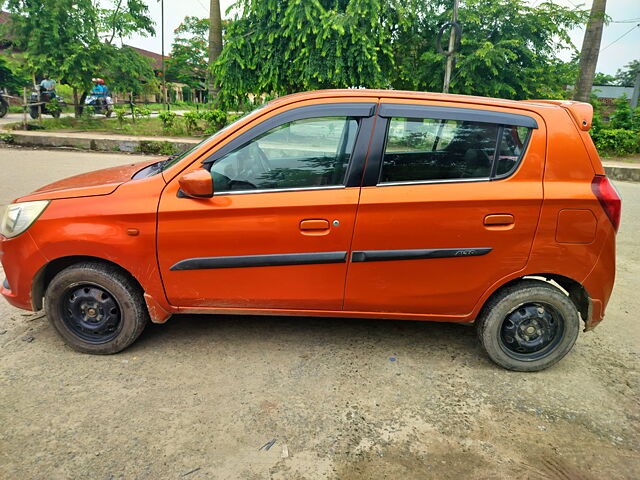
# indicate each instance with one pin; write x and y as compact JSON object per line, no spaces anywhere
{"x":99,"y":90}
{"x":48,"y":87}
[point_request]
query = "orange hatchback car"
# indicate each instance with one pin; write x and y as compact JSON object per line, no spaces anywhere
{"x":345,"y":203}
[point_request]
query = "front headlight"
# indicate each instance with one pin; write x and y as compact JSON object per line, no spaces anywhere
{"x":17,"y":217}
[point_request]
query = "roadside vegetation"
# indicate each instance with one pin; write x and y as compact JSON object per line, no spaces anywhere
{"x":167,"y":123}
{"x":276,"y":47}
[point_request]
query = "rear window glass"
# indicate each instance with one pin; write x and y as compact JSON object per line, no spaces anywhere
{"x":425,"y":149}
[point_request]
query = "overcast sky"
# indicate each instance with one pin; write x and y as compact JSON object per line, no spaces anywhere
{"x":615,"y":52}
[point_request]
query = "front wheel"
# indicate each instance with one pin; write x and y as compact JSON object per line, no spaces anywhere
{"x":55,"y":114}
{"x":96,"y":308}
{"x":4,"y":108}
{"x":33,"y":112}
{"x":528,"y":326}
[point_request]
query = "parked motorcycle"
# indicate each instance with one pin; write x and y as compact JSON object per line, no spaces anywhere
{"x":51,"y":103}
{"x":4,"y":106}
{"x":100,"y":105}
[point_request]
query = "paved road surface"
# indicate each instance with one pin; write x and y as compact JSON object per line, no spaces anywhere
{"x":351,"y":399}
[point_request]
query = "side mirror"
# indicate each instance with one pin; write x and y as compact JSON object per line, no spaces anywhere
{"x":197,"y":184}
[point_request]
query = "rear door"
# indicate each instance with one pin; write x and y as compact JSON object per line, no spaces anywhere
{"x":449,"y":205}
{"x":276,"y":233}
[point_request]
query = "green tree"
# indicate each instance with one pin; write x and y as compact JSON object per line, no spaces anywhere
{"x":604,"y":79}
{"x":70,"y":39}
{"x":282,"y":46}
{"x":627,"y":76}
{"x":11,"y":77}
{"x":508,"y":48}
{"x":188,"y":63}
{"x":623,"y":116}
{"x":130,"y":72}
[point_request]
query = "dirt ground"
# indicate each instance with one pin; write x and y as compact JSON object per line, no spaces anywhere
{"x":223,"y":397}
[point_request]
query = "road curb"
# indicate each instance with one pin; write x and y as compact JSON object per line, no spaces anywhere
{"x":625,"y":174}
{"x":110,"y":144}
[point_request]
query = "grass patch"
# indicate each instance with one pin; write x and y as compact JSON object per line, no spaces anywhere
{"x":142,"y":126}
{"x":190,"y":124}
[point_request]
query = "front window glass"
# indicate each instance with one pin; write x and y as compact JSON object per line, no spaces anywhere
{"x":313,"y":152}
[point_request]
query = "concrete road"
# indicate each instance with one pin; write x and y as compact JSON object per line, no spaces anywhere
{"x":204,"y":397}
{"x":17,"y":117}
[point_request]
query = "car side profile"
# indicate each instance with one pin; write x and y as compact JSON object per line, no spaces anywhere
{"x":343,"y":203}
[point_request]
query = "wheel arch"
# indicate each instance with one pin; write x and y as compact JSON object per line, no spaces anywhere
{"x":576,"y":292}
{"x":44,"y":276}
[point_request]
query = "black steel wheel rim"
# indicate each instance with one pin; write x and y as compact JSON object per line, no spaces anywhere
{"x":91,"y":312}
{"x":531,"y":331}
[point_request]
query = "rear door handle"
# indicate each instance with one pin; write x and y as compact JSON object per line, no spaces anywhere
{"x":499,"y":219}
{"x":316,"y":224}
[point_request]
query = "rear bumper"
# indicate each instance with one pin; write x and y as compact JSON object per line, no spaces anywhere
{"x":599,"y":282}
{"x":21,"y":260}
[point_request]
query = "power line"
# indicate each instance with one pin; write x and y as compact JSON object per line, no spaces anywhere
{"x":629,"y":20}
{"x":621,"y":36}
{"x":203,"y":7}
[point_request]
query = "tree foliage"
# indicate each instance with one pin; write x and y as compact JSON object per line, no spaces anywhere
{"x":627,"y":76}
{"x":509,"y":48}
{"x":11,"y":77}
{"x":282,"y":46}
{"x":71,"y":39}
{"x":188,"y":63}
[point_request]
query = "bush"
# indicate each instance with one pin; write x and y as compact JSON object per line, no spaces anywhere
{"x":215,"y":119}
{"x":617,"y":142}
{"x":168,"y":119}
{"x":191,"y":121}
{"x":162,"y":148}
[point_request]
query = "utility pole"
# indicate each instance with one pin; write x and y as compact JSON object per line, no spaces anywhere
{"x":452,"y":47}
{"x":636,"y":92}
{"x":164,"y":71}
{"x":215,"y":44}
{"x":590,"y":51}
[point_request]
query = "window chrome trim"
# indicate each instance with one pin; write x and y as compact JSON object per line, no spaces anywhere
{"x":427,"y":182}
{"x":278,"y":190}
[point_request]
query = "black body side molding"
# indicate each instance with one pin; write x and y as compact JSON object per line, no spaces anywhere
{"x":277,"y":260}
{"x":385,"y":255}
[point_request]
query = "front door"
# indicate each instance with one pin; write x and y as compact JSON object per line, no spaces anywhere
{"x":276,"y":233}
{"x":448,"y":206}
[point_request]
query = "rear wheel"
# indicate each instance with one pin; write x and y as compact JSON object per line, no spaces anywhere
{"x":4,"y":108}
{"x":528,"y":326}
{"x":96,"y":308}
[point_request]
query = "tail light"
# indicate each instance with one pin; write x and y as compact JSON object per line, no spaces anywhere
{"x":608,"y":197}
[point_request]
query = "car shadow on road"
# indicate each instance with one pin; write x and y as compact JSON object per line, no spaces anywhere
{"x":297,"y":333}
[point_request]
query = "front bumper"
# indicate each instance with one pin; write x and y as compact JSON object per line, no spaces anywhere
{"x":21,"y":260}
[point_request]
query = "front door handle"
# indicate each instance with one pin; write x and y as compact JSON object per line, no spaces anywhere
{"x":317,"y":224}
{"x":499,"y":219}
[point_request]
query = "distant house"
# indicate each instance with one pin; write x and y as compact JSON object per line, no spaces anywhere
{"x":608,"y":94}
{"x":175,"y":90}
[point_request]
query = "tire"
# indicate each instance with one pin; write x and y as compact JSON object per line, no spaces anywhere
{"x":33,"y":112}
{"x":108,"y":113}
{"x":96,"y":308}
{"x":56,"y":114}
{"x":528,"y":326}
{"x":4,"y":108}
